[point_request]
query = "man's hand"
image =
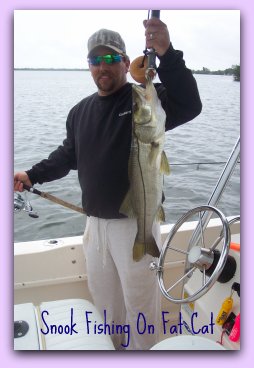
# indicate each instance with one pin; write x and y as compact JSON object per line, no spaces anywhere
{"x":157,"y":35}
{"x":19,"y":179}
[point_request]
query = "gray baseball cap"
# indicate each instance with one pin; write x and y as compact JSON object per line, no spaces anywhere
{"x":107,"y":38}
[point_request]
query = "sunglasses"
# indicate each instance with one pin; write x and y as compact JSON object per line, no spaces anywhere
{"x":108,"y":59}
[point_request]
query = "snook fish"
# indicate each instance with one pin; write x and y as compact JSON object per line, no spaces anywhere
{"x":147,"y":164}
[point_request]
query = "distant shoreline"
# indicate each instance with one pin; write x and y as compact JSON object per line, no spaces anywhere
{"x":205,"y":71}
{"x":53,"y":69}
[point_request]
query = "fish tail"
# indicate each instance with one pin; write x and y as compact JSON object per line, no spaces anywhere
{"x":140,"y":249}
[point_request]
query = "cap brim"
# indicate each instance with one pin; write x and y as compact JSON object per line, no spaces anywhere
{"x":108,"y":46}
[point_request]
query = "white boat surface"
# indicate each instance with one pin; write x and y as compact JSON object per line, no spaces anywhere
{"x":54,"y":271}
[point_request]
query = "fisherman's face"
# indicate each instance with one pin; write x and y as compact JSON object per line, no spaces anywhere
{"x":109,"y":77}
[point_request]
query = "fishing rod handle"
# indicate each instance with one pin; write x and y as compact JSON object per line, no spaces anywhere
{"x":31,"y":189}
{"x":151,"y":53}
{"x":155,"y":14}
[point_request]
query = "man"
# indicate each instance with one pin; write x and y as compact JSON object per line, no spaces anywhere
{"x":98,"y":145}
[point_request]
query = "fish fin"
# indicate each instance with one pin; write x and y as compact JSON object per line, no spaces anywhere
{"x":160,"y":215}
{"x":164,"y":168}
{"x":140,"y":249}
{"x":126,"y":207}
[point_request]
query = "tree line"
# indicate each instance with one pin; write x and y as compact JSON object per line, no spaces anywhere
{"x":234,"y":71}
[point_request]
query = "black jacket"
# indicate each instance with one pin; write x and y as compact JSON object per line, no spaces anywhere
{"x":99,"y":136}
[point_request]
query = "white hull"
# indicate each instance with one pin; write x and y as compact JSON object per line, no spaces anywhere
{"x":56,"y":270}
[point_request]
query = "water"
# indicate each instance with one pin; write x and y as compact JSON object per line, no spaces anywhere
{"x":42,"y":100}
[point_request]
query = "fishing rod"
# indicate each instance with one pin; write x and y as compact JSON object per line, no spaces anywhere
{"x":151,"y":53}
{"x":52,"y":198}
{"x":144,"y":67}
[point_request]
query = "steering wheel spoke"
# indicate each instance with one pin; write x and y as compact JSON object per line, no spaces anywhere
{"x":181,"y":279}
{"x":204,"y":276}
{"x":216,"y":243}
{"x":178,"y":250}
{"x":201,"y":230}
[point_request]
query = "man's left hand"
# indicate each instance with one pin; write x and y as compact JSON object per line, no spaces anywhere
{"x":157,"y":35}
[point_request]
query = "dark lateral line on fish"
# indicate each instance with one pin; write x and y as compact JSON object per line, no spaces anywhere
{"x":54,"y":199}
{"x":142,"y":178}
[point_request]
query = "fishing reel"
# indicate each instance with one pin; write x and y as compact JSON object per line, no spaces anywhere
{"x":21,"y":203}
{"x":143,"y":68}
{"x":204,"y":250}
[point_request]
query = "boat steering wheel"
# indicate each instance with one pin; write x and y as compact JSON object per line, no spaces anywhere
{"x":199,"y":255}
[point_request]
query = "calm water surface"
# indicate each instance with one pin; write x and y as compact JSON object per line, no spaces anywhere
{"x":42,"y":100}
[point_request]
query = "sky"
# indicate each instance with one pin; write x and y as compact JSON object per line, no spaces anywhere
{"x":58,"y":38}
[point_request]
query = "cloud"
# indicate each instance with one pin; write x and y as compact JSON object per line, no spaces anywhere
{"x":57,"y":38}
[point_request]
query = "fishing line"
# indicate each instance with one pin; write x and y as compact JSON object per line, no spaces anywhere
{"x":146,"y":49}
{"x":199,"y":163}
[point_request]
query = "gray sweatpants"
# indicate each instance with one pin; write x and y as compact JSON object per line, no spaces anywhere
{"x":125,"y":292}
